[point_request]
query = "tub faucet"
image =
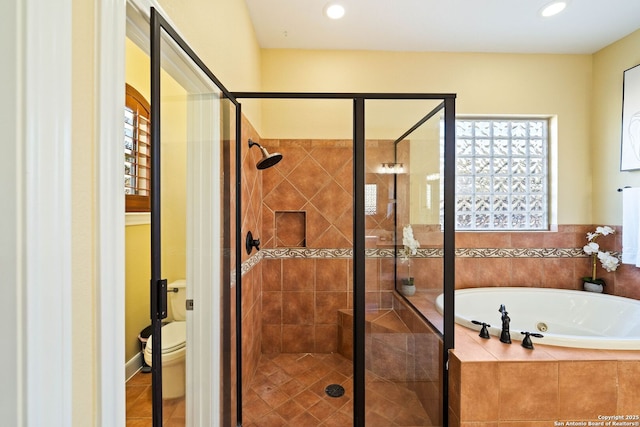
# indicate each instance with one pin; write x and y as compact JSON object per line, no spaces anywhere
{"x":505,"y":337}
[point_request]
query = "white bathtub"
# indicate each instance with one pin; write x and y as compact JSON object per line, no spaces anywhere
{"x":565,"y":318}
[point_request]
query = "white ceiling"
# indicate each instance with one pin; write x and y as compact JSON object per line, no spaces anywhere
{"x":444,"y":25}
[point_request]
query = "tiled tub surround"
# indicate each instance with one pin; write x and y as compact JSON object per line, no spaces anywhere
{"x":506,"y":385}
{"x":496,"y":384}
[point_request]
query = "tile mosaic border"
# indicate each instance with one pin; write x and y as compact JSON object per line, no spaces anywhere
{"x":428,"y":253}
{"x":307,"y":253}
{"x":253,"y":261}
{"x":287,"y":253}
{"x":520,"y":253}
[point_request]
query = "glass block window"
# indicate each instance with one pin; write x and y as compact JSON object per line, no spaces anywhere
{"x":501,"y":174}
{"x":370,"y":199}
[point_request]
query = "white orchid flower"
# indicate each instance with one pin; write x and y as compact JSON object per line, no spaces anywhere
{"x":605,"y":230}
{"x":411,"y":245}
{"x":591,"y":248}
{"x":609,"y":262}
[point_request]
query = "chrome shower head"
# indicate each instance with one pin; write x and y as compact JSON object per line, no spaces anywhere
{"x":267,"y":160}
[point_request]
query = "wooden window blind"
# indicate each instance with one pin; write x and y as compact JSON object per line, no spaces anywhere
{"x":137,"y":151}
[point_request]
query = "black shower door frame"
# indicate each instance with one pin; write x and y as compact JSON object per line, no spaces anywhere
{"x":158,"y":285}
{"x":448,"y":99}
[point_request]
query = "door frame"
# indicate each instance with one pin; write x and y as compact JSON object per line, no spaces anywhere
{"x":110,"y":221}
{"x":113,"y":20}
{"x":37,"y":189}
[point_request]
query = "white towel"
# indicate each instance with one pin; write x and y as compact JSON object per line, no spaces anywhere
{"x":631,"y":226}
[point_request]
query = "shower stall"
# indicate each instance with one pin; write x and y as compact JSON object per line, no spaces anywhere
{"x":299,"y":285}
{"x":357,"y":169}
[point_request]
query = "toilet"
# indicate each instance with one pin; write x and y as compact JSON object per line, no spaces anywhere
{"x":174,"y":339}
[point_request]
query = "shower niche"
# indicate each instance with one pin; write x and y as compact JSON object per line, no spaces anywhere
{"x":291,"y":229}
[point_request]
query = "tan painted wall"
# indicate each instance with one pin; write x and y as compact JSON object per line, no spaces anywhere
{"x":608,"y":68}
{"x":136,"y":292}
{"x":221,"y":34}
{"x":137,"y":238}
{"x":553,"y":85}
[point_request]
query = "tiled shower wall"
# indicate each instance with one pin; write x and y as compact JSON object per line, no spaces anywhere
{"x":314,"y":177}
{"x":307,"y":225}
{"x":301,"y":299}
{"x":251,"y":281}
{"x":307,"y":205}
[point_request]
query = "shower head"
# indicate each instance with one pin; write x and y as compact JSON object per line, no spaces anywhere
{"x":267,"y":160}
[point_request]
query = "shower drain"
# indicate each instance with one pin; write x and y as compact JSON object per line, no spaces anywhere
{"x":334,"y":390}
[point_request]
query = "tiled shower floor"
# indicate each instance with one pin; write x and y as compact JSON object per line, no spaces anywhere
{"x":289,"y":390}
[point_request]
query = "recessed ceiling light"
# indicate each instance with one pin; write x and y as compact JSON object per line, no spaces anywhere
{"x":553,"y":8}
{"x":334,"y":10}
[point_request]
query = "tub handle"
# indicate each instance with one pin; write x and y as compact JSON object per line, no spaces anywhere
{"x":526,"y":342}
{"x":484,"y":333}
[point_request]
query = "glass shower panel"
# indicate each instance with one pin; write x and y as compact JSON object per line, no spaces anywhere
{"x":297,"y":303}
{"x":403,"y":267}
{"x":197,"y":149}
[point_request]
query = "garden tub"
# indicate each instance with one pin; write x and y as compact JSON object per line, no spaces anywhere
{"x":566,"y":318}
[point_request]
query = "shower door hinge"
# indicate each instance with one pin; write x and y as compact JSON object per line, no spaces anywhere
{"x":189,"y":305}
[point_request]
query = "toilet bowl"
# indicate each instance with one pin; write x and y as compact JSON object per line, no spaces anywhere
{"x":174,"y":348}
{"x":173,"y":358}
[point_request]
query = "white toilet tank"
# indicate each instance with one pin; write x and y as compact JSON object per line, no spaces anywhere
{"x":178,"y":300}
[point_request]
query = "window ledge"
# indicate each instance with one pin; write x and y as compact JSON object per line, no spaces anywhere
{"x":137,"y":218}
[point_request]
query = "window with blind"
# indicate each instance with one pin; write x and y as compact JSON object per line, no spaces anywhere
{"x":137,"y":151}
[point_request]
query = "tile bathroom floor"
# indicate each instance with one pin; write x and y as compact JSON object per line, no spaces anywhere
{"x":138,"y":392}
{"x":289,"y":390}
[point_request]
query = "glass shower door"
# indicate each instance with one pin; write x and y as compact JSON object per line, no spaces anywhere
{"x":194,"y":131}
{"x":404,"y":167}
